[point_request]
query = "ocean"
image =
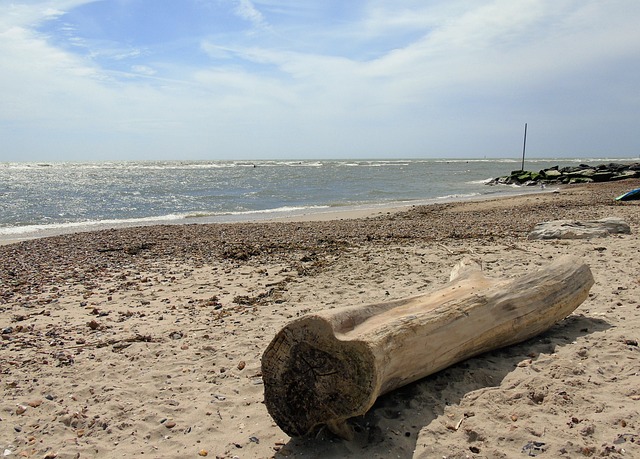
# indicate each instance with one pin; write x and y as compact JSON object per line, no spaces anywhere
{"x":38,"y":199}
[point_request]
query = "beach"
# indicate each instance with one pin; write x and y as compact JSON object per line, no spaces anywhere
{"x":147,"y":340}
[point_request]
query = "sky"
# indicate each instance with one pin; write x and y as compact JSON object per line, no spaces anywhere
{"x":268,"y":79}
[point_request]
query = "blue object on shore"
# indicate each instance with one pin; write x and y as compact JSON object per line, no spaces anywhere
{"x":629,"y":195}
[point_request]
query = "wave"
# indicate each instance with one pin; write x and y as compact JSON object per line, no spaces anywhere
{"x":86,"y":224}
{"x":461,"y":196}
{"x":277,"y":210}
{"x":89,"y":225}
{"x":481,"y":181}
{"x":226,"y":164}
{"x":476,"y":160}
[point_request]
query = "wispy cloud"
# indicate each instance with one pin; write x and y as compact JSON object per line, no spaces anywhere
{"x":247,"y":11}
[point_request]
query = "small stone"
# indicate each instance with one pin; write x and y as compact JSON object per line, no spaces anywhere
{"x":35,"y":403}
{"x":170,"y":424}
{"x":587,"y":430}
{"x":203,"y":453}
{"x":514,"y":417}
{"x":20,"y":409}
{"x":241,"y":365}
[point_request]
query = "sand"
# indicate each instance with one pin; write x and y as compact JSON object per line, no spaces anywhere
{"x":146,"y":342}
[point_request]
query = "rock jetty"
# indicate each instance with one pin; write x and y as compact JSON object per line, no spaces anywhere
{"x":569,"y":175}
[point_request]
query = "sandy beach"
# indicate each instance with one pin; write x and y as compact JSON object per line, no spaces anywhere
{"x":146,"y":342}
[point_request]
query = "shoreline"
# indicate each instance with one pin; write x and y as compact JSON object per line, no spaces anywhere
{"x":299,"y":215}
{"x":148,"y":340}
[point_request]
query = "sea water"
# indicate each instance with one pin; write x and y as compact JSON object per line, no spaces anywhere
{"x":48,"y":198}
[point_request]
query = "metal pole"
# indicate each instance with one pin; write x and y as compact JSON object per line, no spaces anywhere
{"x":524,"y":146}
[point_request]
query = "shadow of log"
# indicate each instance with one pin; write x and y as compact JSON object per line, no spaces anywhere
{"x":393,"y":423}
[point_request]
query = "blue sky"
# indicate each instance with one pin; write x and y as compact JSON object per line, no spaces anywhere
{"x":258,"y":79}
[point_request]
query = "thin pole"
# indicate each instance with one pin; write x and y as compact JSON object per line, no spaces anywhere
{"x":524,"y":146}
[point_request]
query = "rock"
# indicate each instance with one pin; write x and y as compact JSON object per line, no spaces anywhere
{"x":533,"y":448}
{"x":569,"y":229}
{"x":551,"y":174}
{"x":570,"y":175}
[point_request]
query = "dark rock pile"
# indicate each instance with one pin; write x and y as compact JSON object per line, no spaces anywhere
{"x":569,"y":175}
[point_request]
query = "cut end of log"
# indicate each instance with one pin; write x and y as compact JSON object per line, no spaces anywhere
{"x":312,"y":378}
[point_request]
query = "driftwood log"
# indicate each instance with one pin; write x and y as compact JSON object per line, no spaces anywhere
{"x":327,"y":367}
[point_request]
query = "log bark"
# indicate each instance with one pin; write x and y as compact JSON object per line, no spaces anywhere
{"x":327,"y":367}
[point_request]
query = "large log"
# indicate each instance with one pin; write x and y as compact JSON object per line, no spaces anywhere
{"x":327,"y":367}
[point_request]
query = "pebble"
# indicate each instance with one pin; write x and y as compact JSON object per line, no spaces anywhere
{"x":170,"y":424}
